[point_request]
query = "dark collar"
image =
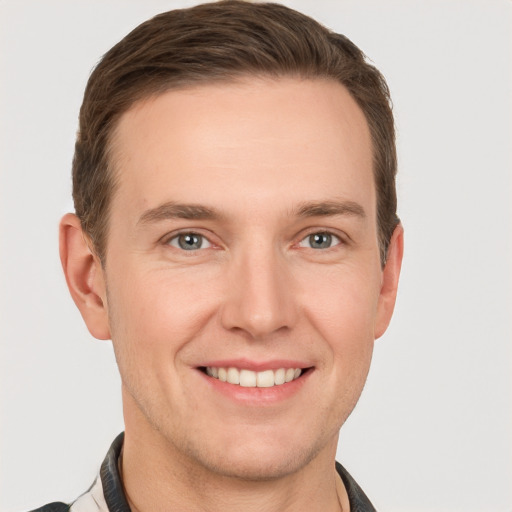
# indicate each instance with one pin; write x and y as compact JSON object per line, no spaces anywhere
{"x":358,"y":500}
{"x":116,"y":499}
{"x":111,"y":480}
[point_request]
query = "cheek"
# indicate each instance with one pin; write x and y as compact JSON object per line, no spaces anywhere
{"x":158,"y":309}
{"x":344,"y":316}
{"x":344,"y":307}
{"x":151,"y":319}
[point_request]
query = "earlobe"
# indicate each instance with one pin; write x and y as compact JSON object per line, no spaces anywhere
{"x":390,"y":277}
{"x":84,"y":276}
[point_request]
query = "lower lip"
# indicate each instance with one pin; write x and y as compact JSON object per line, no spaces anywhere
{"x":257,"y":396}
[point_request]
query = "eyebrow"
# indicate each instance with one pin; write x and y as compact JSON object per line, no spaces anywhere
{"x":172,"y":210}
{"x":330,"y":208}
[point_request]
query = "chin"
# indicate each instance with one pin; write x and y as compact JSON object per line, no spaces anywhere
{"x":256,"y":466}
{"x":262,"y":458}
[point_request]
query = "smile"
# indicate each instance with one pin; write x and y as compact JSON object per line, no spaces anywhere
{"x":251,"y":379}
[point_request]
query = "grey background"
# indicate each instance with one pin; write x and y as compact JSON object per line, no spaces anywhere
{"x":433,"y":429}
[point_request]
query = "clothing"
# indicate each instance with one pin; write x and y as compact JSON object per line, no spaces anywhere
{"x":107,"y":495}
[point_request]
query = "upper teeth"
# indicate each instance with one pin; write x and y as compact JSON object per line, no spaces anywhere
{"x":250,"y":379}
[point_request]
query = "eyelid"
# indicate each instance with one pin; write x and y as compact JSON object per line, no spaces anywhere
{"x":166,"y":239}
{"x":334,"y":238}
{"x":205,"y":243}
{"x":343,"y":239}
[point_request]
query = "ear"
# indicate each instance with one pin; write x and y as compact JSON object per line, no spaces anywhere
{"x":84,"y":276}
{"x":389,"y":286}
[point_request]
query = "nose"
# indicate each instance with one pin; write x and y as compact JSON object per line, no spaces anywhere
{"x":260,"y":299}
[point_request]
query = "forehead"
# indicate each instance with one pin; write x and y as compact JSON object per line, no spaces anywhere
{"x":260,"y":138}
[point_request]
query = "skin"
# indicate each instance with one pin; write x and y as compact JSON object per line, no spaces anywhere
{"x":275,"y":161}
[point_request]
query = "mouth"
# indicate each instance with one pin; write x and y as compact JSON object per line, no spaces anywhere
{"x":252,"y":379}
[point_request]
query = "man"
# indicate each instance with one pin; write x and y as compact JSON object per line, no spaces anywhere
{"x":236,"y":237}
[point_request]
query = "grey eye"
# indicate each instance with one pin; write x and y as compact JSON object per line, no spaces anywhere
{"x":320,"y":241}
{"x":189,"y":242}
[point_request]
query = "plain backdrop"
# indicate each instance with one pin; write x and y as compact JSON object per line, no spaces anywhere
{"x":433,"y":429}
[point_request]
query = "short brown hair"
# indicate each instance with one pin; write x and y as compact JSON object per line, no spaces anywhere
{"x":222,"y":41}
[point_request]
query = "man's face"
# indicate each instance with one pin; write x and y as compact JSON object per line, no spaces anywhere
{"x":243,"y":243}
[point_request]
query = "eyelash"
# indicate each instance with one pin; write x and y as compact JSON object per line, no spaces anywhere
{"x":177,"y":236}
{"x":338,"y":240}
{"x":330,"y":236}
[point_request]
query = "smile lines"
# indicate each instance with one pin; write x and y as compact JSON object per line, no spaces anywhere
{"x":250,"y":379}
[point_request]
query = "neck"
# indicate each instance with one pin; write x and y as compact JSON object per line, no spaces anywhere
{"x":158,"y":477}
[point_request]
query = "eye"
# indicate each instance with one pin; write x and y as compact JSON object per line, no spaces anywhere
{"x":189,"y":242}
{"x":320,"y":240}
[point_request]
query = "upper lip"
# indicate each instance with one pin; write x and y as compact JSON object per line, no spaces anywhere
{"x":255,"y":366}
